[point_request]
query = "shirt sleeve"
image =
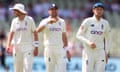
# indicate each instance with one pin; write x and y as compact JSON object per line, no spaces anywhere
{"x":64,"y":26}
{"x":33,"y":26}
{"x":82,"y":31}
{"x":107,"y":37}
{"x":13,"y":27}
{"x":43,"y":23}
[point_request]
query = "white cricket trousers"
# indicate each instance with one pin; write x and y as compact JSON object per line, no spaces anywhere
{"x":93,"y":60}
{"x":54,"y":57}
{"x":23,"y":60}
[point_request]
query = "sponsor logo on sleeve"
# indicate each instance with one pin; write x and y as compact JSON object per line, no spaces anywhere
{"x":81,"y":27}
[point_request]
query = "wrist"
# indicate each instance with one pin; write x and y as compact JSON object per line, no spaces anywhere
{"x":66,"y":48}
{"x":36,"y":44}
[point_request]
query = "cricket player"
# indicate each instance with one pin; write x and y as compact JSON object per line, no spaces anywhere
{"x":55,"y":41}
{"x":24,"y":39}
{"x":94,"y":32}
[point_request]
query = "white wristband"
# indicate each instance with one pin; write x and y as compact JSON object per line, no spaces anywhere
{"x":36,"y":43}
{"x":66,"y":48}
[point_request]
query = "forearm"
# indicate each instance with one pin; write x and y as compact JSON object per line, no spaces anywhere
{"x":35,"y":36}
{"x":65,"y":41}
{"x":10,"y":37}
{"x":36,"y":40}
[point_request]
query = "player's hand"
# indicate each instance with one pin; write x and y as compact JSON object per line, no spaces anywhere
{"x":9,"y":50}
{"x":92,"y":45}
{"x":106,"y":56}
{"x":35,"y":52}
{"x":68,"y":56}
{"x":52,"y":20}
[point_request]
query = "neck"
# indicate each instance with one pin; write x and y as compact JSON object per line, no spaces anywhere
{"x":21,"y":17}
{"x":98,"y":17}
{"x":53,"y":16}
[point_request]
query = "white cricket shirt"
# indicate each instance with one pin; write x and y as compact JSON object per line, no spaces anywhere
{"x":23,"y":30}
{"x":53,"y":32}
{"x":95,"y":31}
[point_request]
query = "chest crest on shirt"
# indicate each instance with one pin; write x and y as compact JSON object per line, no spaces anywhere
{"x":102,"y":26}
{"x":92,"y":25}
{"x":25,"y":23}
{"x":59,"y":23}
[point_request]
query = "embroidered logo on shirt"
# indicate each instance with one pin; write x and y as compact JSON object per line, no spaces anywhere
{"x":60,"y":23}
{"x":92,"y":25}
{"x":25,"y":23}
{"x":81,"y":27}
{"x":102,"y":26}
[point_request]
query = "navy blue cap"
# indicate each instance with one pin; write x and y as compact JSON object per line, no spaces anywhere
{"x":99,"y":4}
{"x":53,"y":6}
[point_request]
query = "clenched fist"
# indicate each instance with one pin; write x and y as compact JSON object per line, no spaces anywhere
{"x":92,"y":45}
{"x":52,"y":20}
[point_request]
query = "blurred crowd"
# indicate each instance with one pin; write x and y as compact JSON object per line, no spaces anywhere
{"x":39,"y":9}
{"x":2,"y":49}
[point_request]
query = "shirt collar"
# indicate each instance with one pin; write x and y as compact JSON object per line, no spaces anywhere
{"x":50,"y":17}
{"x":24,"y":18}
{"x":57,"y":18}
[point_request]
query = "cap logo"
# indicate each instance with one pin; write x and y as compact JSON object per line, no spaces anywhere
{"x":53,"y":5}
